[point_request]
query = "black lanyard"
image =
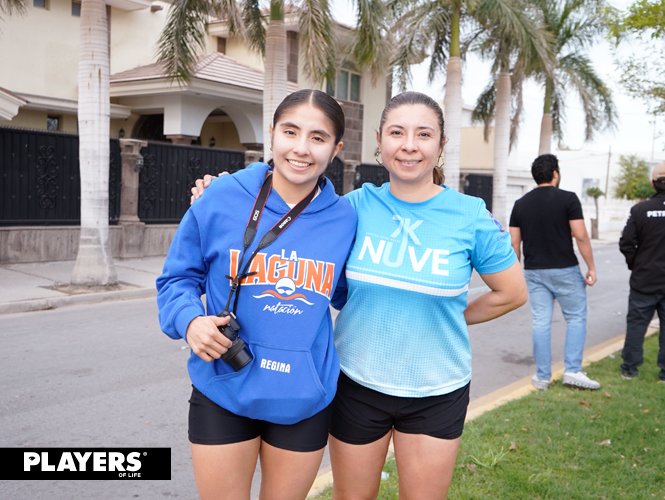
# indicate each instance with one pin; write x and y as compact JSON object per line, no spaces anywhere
{"x":268,"y":238}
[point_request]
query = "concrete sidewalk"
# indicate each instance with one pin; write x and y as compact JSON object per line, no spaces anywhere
{"x":43,"y":285}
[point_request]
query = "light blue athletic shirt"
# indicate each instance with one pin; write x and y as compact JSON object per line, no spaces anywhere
{"x":402,"y":331}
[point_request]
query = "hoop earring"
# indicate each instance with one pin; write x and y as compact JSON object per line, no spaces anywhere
{"x":376,"y":157}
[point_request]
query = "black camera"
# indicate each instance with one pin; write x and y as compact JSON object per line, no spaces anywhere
{"x":238,"y":354}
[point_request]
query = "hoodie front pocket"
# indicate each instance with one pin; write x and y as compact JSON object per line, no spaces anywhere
{"x":279,"y":385}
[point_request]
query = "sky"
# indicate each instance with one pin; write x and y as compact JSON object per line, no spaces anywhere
{"x":635,"y":134}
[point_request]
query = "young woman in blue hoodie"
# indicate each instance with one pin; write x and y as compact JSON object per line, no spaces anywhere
{"x":267,"y":246}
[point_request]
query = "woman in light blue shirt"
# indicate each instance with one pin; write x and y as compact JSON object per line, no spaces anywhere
{"x":402,"y":334}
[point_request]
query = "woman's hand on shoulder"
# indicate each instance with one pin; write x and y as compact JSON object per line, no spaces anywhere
{"x":201,"y":184}
{"x":205,"y":339}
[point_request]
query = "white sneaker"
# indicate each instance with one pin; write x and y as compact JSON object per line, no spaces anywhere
{"x":579,"y":379}
{"x":541,"y":385}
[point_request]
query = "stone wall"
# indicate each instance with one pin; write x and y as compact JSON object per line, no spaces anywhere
{"x":353,"y":133}
{"x":52,"y":243}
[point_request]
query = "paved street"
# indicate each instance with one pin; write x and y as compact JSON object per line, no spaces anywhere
{"x":104,"y":375}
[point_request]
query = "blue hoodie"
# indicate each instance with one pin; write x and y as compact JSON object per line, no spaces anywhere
{"x":283,"y":309}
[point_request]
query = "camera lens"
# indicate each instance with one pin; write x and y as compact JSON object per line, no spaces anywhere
{"x":238,"y":354}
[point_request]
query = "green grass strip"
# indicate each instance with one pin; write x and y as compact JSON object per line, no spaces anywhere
{"x":566,"y":443}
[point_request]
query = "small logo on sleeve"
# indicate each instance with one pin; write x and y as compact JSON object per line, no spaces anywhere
{"x":496,"y":223}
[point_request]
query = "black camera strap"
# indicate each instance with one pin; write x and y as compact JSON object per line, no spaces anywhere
{"x":267,"y":239}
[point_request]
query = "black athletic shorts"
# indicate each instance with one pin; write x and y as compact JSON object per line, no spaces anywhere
{"x":209,"y":423}
{"x":361,"y":415}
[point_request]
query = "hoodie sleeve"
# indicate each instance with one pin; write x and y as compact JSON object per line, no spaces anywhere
{"x":183,"y":280}
{"x":339,"y":296}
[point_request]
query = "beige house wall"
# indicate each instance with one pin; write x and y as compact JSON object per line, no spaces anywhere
{"x":39,"y":51}
{"x":476,"y":155}
{"x":374,"y":95}
{"x":134,"y":36}
{"x":126,"y":125}
{"x":236,"y":49}
{"x":33,"y":119}
{"x":44,"y":44}
{"x":224,"y":132}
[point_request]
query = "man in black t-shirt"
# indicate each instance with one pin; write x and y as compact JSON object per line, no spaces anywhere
{"x":643,"y":244}
{"x":543,"y":220}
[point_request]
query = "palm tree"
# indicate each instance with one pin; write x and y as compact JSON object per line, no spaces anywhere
{"x":94,"y":263}
{"x":595,"y":193}
{"x":574,"y":25}
{"x":184,"y":36}
{"x":517,"y":46}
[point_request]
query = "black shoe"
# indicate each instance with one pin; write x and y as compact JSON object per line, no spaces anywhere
{"x":628,"y":375}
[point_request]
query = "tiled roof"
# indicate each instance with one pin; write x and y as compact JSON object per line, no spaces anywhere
{"x":215,"y":67}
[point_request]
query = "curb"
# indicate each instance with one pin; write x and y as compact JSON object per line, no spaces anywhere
{"x":73,"y":300}
{"x":497,"y":398}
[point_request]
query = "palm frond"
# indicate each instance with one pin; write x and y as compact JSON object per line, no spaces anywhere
{"x":255,"y":29}
{"x":513,"y":29}
{"x":397,"y":8}
{"x":440,"y":29}
{"x":484,"y":110}
{"x":578,"y":25}
{"x":596,"y":98}
{"x":423,"y":29}
{"x":317,"y":41}
{"x":183,"y":36}
{"x":517,"y":78}
{"x":12,"y":7}
{"x":371,"y":46}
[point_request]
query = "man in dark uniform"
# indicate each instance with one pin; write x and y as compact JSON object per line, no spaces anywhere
{"x":643,"y":244}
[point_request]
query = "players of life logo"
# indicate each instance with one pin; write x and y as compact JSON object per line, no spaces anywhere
{"x":283,"y":277}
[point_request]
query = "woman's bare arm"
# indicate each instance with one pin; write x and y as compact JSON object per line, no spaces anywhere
{"x":507,"y":292}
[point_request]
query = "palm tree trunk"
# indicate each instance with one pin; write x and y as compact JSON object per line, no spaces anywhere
{"x":545,"y":146}
{"x":274,"y":87}
{"x":453,"y":108}
{"x":501,"y":146}
{"x":94,"y":263}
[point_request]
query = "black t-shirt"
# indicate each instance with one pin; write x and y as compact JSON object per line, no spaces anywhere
{"x":543,"y":217}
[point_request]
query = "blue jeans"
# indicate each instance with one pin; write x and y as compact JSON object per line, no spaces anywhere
{"x":567,"y":286}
